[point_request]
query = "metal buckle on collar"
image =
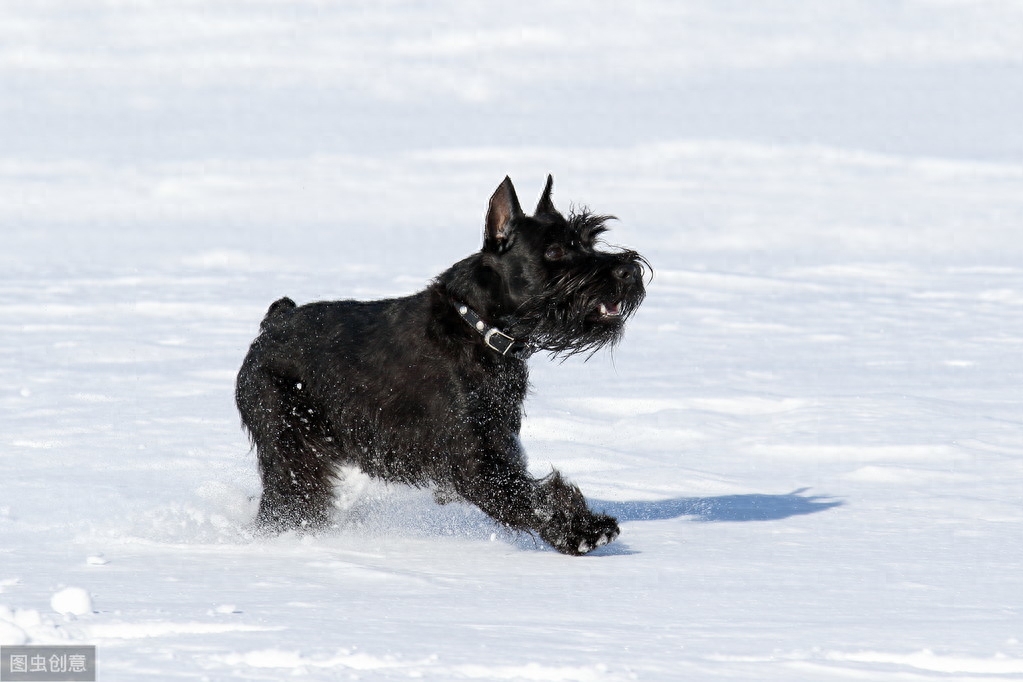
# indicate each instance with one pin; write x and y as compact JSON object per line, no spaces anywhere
{"x":494,"y":338}
{"x":498,"y":340}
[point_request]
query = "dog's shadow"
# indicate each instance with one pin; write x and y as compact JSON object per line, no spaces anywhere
{"x":735,"y":508}
{"x":722,"y":508}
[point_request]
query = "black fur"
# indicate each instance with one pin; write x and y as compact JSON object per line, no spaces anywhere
{"x":408,"y":391}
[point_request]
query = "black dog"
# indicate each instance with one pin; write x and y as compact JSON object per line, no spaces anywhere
{"x":428,"y":389}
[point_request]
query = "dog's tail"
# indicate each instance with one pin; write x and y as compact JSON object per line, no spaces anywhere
{"x":277,"y":311}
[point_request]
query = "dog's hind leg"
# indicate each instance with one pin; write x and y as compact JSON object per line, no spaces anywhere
{"x":297,"y":473}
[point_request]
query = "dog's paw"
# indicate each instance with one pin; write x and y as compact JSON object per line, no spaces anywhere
{"x":566,"y":522}
{"x":602,"y":530}
{"x":587,"y":534}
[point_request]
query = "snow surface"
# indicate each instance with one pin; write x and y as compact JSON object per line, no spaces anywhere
{"x":72,"y":600}
{"x":811,"y":434}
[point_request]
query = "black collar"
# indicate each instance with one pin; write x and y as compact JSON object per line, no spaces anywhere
{"x":493,"y":337}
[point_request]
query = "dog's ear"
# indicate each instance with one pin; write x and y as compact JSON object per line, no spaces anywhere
{"x":504,"y":209}
{"x":545,"y":206}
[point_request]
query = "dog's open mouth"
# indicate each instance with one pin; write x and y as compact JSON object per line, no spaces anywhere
{"x":610,"y":309}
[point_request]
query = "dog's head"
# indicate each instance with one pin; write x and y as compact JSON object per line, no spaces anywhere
{"x":550,"y":278}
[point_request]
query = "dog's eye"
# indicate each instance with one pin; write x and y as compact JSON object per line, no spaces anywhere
{"x":555,"y":252}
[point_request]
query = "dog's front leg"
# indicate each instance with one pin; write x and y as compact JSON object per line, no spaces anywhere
{"x":564,"y":519}
{"x":553,"y":508}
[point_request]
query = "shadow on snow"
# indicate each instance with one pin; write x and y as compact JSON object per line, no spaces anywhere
{"x":752,"y":507}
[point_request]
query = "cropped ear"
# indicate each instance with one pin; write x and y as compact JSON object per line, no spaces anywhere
{"x":504,"y":209}
{"x":545,"y":206}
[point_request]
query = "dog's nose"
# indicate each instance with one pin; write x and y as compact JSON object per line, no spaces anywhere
{"x":627,"y":273}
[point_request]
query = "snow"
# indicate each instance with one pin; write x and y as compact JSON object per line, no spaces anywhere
{"x":811,"y":434}
{"x":74,"y":601}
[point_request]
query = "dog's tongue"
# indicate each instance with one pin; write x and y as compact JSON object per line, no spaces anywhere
{"x":611,"y":310}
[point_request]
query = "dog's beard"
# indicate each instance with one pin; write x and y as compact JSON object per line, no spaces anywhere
{"x":577,"y":314}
